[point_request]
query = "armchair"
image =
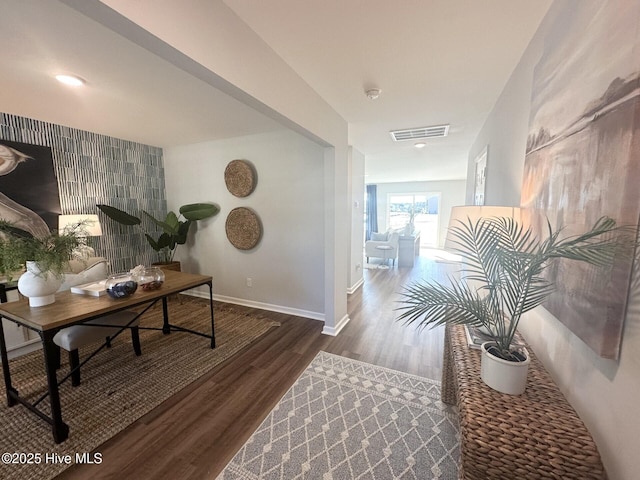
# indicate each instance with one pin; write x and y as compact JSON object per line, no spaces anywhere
{"x":88,"y":270}
{"x":389,"y":239}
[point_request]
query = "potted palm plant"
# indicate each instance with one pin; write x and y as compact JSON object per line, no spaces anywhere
{"x":40,"y":261}
{"x":174,"y":228}
{"x":502,"y":279}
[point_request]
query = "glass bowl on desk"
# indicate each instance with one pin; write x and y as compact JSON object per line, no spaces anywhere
{"x":121,"y":285}
{"x":150,"y":278}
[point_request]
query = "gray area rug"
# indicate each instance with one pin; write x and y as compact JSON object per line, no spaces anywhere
{"x":345,"y":419}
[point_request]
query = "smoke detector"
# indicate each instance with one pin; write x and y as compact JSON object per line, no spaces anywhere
{"x":372,"y":93}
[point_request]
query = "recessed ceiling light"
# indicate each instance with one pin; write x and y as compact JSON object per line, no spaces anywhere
{"x":372,"y":93}
{"x":71,"y":80}
{"x":419,"y":144}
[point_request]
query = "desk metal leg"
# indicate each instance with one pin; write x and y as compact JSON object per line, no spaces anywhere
{"x":12,"y":393}
{"x":59,"y":429}
{"x":166,"y":328}
{"x":213,"y":335}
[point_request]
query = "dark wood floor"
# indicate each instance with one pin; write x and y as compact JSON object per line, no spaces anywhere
{"x":197,"y":431}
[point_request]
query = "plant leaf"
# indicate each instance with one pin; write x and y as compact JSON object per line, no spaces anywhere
{"x":119,"y":216}
{"x":183,"y":232}
{"x":169,"y":225}
{"x":153,"y":242}
{"x":199,"y":211}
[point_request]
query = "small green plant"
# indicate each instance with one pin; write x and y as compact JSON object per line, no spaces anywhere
{"x":51,"y":253}
{"x":174,"y":229}
{"x":503,"y":279}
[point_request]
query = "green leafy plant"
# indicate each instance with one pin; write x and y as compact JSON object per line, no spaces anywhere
{"x":504,"y":274}
{"x":175,"y":230}
{"x":51,"y":253}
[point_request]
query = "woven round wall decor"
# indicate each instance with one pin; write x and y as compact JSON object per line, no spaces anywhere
{"x":240,"y":177}
{"x":243,"y":228}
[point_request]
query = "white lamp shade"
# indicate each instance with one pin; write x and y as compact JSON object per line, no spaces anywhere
{"x":92,"y":227}
{"x":474,"y":213}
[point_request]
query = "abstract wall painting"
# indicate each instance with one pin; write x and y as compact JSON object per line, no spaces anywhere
{"x":583,"y":157}
{"x":28,"y":187}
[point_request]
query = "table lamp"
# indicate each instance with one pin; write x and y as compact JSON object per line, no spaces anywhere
{"x":90,"y":228}
{"x":474,"y":213}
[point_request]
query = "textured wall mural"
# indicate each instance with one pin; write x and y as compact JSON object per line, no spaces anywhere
{"x":91,"y":169}
{"x":583,"y":157}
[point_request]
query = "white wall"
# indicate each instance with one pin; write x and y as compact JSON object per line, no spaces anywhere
{"x":356,"y":187}
{"x":452,"y":194}
{"x":212,"y":43}
{"x":604,"y":392}
{"x":287,"y":267}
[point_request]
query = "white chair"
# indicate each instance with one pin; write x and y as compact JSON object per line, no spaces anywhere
{"x":76,"y":336}
{"x":389,"y":239}
{"x":72,"y":338}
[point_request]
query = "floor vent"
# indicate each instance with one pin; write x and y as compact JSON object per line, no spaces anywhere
{"x":424,"y":132}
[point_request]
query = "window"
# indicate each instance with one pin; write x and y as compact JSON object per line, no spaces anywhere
{"x":422,"y":208}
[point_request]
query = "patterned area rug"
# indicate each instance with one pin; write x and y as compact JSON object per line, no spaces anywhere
{"x":117,"y":387}
{"x":344,"y":419}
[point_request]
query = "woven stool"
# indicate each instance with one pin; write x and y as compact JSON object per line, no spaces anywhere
{"x":72,"y":338}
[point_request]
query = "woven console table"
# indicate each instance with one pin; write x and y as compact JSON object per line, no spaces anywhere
{"x":534,"y":435}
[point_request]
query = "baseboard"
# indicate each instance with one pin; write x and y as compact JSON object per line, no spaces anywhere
{"x":262,"y":306}
{"x":355,"y":287}
{"x":334,"y":331}
{"x":24,"y":348}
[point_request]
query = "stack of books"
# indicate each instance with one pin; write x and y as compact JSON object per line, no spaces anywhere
{"x":95,"y":289}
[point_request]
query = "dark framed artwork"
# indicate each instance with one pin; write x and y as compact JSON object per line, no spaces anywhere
{"x":29,"y":195}
{"x":583,"y":159}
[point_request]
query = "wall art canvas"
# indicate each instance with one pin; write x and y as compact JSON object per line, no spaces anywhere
{"x":28,"y":187}
{"x":583,"y":157}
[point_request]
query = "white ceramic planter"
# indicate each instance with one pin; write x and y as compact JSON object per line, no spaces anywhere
{"x":38,"y":287}
{"x":502,"y":375}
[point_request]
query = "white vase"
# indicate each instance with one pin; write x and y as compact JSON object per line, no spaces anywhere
{"x":38,"y":287}
{"x":503,"y":375}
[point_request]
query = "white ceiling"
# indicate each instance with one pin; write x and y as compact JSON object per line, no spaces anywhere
{"x":436,"y":61}
{"x":130,"y":93}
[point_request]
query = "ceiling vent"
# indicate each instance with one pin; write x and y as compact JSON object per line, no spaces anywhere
{"x":424,"y":132}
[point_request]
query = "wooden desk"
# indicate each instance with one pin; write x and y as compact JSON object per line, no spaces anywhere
{"x":534,"y":435}
{"x":70,"y":309}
